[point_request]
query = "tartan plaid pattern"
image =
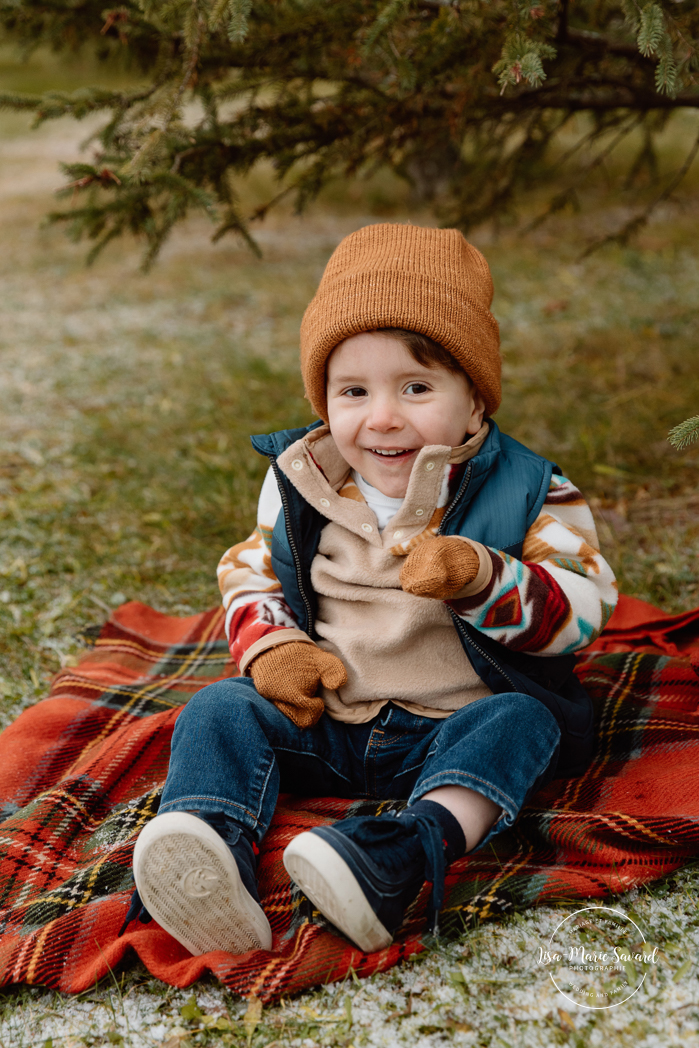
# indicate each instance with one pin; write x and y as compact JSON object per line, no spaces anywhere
{"x":82,"y":771}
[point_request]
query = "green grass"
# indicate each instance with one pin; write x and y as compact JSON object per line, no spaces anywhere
{"x":126,"y":470}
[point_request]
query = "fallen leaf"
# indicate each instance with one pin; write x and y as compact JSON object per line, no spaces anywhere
{"x":216,"y":1022}
{"x":191,"y":1010}
{"x":566,"y":1021}
{"x":252,"y":1016}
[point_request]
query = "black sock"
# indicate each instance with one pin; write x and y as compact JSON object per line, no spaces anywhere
{"x":452,"y":834}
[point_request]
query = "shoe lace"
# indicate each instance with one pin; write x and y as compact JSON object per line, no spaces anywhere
{"x":430,"y":836}
{"x":136,"y":909}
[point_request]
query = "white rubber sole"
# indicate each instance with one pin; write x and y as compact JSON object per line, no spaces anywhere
{"x":189,"y":883}
{"x":323,"y":875}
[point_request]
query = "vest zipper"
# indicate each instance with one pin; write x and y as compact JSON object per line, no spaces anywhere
{"x":457,"y":498}
{"x":292,"y":545}
{"x":469,"y":640}
{"x":457,"y":621}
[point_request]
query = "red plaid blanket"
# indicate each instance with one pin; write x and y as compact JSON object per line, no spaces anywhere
{"x":81,"y":772}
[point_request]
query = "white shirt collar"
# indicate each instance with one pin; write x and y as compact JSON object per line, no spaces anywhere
{"x":382,"y":505}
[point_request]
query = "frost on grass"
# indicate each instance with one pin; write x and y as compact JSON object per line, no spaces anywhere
{"x":485,"y":988}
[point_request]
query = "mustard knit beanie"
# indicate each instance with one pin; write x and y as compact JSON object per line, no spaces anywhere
{"x":431,"y":281}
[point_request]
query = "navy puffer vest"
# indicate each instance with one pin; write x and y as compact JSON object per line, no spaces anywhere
{"x":501,"y":494}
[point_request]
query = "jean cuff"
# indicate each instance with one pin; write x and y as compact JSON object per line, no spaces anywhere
{"x":209,"y":804}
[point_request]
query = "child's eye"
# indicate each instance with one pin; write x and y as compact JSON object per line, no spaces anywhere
{"x":355,"y":391}
{"x":417,"y":387}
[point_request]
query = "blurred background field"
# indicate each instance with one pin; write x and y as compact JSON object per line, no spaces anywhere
{"x":125,"y":471}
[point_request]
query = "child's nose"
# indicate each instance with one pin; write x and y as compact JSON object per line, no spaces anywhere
{"x":384,"y":415}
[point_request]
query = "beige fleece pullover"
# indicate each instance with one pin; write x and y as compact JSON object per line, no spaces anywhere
{"x":395,"y":646}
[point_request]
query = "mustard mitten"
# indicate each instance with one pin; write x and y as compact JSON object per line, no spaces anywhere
{"x":290,"y":675}
{"x":439,"y":567}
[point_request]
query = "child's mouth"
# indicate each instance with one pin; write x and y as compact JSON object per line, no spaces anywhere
{"x":392,"y":454}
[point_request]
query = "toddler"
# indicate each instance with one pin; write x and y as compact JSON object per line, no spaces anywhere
{"x":404,"y":617}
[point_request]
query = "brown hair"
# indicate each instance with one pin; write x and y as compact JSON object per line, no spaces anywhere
{"x":424,"y":350}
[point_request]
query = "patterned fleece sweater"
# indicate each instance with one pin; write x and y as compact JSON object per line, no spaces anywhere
{"x":396,"y":646}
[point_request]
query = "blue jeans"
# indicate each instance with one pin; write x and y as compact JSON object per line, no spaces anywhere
{"x":233,"y":751}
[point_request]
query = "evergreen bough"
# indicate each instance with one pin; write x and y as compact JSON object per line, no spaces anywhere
{"x":685,"y":434}
{"x":462,"y":98}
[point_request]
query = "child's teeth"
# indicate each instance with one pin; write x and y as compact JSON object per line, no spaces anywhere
{"x":380,"y":451}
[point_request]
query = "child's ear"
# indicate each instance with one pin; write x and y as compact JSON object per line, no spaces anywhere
{"x":476,"y":420}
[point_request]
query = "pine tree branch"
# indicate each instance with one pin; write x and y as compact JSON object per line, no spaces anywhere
{"x":190,"y":68}
{"x":307,"y":87}
{"x":571,"y":38}
{"x":597,"y":42}
{"x":685,"y":434}
{"x":635,"y":224}
{"x":565,"y":34}
{"x":55,"y":104}
{"x":603,"y":96}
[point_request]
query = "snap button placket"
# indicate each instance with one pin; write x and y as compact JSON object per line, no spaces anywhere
{"x":297,"y":464}
{"x":367,"y":527}
{"x":325,"y":502}
{"x":398,"y":534}
{"x":429,"y":466}
{"x":419,"y":512}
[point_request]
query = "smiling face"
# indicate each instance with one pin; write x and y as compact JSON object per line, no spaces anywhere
{"x":383,"y":407}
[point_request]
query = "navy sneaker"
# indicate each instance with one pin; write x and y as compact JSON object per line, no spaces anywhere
{"x":363,"y":873}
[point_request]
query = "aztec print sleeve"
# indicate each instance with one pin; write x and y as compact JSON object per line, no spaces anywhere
{"x":257,"y":616}
{"x":560,"y":596}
